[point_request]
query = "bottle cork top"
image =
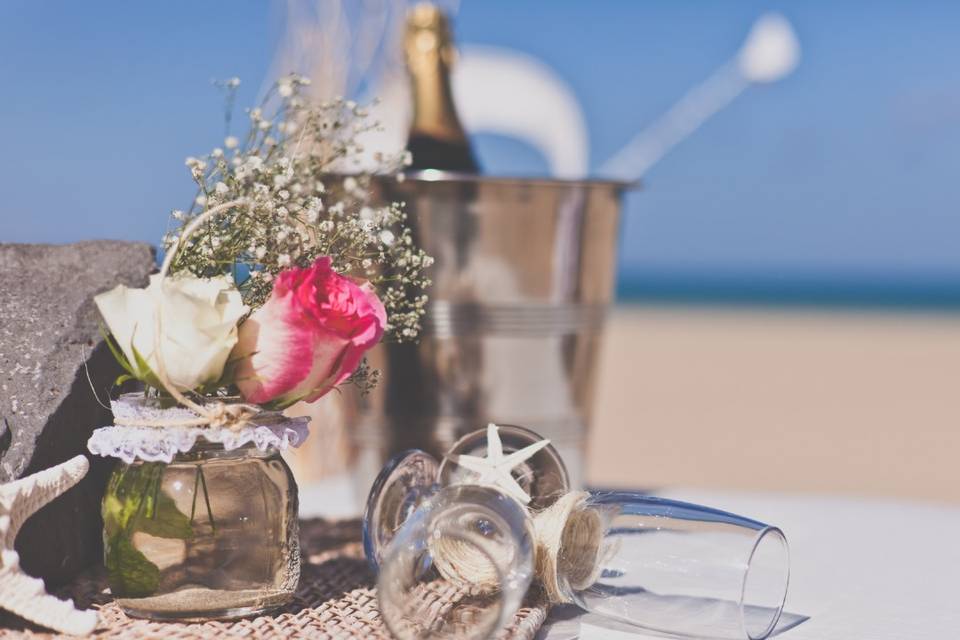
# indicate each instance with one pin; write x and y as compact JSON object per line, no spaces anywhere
{"x":428,"y":30}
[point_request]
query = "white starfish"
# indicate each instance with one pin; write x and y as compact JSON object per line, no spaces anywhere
{"x":495,"y":468}
{"x":22,"y":594}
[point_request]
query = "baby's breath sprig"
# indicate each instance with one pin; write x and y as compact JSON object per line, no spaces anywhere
{"x":364,"y":378}
{"x":299,"y":165}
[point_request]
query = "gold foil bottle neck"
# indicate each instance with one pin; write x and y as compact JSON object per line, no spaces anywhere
{"x":430,"y":53}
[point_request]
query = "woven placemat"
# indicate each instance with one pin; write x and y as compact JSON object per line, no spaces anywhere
{"x":335,"y":600}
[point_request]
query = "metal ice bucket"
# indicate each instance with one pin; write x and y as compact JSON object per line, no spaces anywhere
{"x":523,"y":279}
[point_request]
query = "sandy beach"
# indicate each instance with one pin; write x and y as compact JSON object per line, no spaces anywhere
{"x":789,"y":400}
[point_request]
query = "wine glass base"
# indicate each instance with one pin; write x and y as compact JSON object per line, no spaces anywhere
{"x":403,"y":484}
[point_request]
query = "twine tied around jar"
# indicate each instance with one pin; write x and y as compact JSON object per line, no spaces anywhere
{"x":213,"y":414}
{"x":568,"y":541}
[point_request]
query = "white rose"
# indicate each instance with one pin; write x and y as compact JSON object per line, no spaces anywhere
{"x":198,"y":325}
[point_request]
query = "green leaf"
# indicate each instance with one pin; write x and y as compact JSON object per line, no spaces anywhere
{"x":128,"y":570}
{"x":123,"y":378}
{"x":141,"y":371}
{"x":134,"y":502}
{"x":144,"y":374}
{"x":127,"y":494}
{"x":114,"y":518}
{"x":116,"y":351}
{"x":166,"y":521}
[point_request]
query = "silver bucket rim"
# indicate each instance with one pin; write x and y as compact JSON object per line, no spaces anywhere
{"x":437,"y":175}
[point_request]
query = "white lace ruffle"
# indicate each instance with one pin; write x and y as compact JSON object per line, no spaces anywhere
{"x":161,"y":444}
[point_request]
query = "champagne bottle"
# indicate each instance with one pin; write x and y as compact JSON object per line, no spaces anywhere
{"x":436,"y":139}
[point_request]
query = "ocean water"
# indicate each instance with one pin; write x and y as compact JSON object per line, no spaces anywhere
{"x":894,"y":293}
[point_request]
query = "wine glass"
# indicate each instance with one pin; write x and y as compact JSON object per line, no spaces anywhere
{"x":405,"y":482}
{"x":673,"y":567}
{"x":413,"y":476}
{"x":542,"y":477}
{"x":459,"y":566}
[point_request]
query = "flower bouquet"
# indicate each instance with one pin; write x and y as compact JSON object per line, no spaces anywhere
{"x":275,"y":283}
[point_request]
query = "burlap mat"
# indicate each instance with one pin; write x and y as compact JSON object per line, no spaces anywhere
{"x":335,"y":600}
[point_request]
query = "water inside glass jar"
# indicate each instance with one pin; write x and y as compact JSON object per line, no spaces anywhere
{"x":213,"y":534}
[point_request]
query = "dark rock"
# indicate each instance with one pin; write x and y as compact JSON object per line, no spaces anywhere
{"x":51,"y":359}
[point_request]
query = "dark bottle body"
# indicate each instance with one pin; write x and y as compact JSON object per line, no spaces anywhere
{"x":432,"y":153}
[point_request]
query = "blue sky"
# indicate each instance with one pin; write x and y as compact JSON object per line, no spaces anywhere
{"x":846,"y":172}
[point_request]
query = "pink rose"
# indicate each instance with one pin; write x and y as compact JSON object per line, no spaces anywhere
{"x":308,"y":337}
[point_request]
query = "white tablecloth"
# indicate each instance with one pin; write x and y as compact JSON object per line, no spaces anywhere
{"x":861,"y":569}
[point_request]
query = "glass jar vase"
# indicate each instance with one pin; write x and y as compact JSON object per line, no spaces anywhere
{"x":199,"y":522}
{"x":211,"y":534}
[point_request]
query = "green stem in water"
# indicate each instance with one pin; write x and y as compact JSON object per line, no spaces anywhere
{"x":157,"y":481}
{"x":196,"y":485}
{"x":206,"y":498}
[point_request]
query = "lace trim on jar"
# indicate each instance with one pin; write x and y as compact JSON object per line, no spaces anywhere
{"x":269,"y":430}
